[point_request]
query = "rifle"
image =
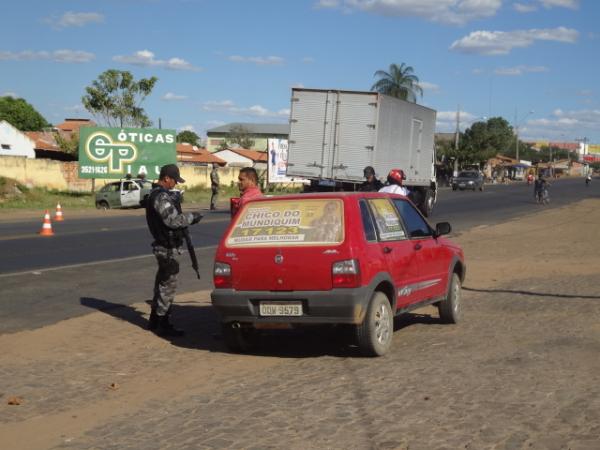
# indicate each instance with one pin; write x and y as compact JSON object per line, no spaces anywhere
{"x":176,"y":196}
{"x":191,"y":251}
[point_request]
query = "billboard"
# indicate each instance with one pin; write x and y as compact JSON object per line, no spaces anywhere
{"x":116,"y":152}
{"x":278,"y":157}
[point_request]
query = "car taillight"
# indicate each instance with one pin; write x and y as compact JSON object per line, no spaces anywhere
{"x":345,"y":274}
{"x":222,"y":275}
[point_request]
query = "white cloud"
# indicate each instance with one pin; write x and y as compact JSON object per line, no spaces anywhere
{"x":75,"y":108}
{"x":62,"y":56}
{"x":575,"y":123}
{"x":10,"y":94}
{"x":429,"y":87}
{"x":520,"y":70}
{"x":502,"y":42}
{"x":146,"y":58}
{"x":169,"y":96}
{"x":456,"y":12}
{"x":230,"y":107}
{"x":187,"y":128}
{"x":308,"y":60}
{"x":74,"y":19}
{"x":446,"y":121}
{"x":572,"y":4}
{"x":259,"y":60}
{"x":297,"y":85}
{"x":524,"y":8}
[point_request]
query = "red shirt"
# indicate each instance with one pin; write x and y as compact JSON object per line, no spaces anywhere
{"x":249,"y":194}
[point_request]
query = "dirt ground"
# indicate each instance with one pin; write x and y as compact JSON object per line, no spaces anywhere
{"x":103,"y":381}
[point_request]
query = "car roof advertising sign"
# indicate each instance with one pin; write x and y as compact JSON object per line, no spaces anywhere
{"x":117,"y":152}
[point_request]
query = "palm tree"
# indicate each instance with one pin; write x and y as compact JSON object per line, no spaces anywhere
{"x":399,"y":82}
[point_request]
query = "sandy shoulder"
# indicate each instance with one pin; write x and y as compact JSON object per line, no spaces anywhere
{"x":79,"y":373}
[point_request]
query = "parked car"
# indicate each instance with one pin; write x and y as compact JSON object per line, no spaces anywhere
{"x":123,"y":194}
{"x":352,"y":258}
{"x":468,"y":180}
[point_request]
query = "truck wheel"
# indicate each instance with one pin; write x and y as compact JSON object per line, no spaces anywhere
{"x":239,"y":339}
{"x":450,"y":308}
{"x":102,"y":205}
{"x":428,"y":201}
{"x":375,"y":333}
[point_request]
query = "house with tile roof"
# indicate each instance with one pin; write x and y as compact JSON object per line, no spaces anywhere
{"x":242,"y":157}
{"x":258,"y":132}
{"x":70,"y":126}
{"x":13,"y":142}
{"x":192,"y":155}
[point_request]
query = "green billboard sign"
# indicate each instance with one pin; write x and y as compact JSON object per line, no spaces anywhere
{"x":117,"y":152}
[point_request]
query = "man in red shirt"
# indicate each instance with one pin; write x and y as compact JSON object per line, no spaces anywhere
{"x":248,"y":185}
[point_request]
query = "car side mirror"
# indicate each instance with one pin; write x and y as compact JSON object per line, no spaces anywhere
{"x":442,"y":228}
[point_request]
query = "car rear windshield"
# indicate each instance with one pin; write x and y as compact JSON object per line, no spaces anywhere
{"x":289,"y":223}
{"x":468,"y":175}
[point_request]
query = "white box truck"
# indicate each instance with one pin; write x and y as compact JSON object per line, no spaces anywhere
{"x":335,"y":134}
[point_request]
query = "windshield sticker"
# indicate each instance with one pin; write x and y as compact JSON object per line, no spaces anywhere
{"x":387,"y":220}
{"x":318,"y":221}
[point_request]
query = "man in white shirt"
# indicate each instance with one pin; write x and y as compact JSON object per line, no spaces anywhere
{"x":394,"y":186}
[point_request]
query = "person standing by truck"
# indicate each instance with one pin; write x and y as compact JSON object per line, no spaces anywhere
{"x":394,"y":186}
{"x":166,"y":223}
{"x":214,"y":187}
{"x":372,"y":184}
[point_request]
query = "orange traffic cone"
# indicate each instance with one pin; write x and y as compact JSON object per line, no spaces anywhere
{"x":58,"y":217}
{"x":47,"y":226}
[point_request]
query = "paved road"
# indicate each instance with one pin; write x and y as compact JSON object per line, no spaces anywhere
{"x":44,"y":279}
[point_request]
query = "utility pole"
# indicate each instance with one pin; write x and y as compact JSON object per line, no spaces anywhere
{"x":456,"y":137}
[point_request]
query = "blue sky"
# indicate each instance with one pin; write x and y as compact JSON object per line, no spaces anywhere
{"x":221,"y":61}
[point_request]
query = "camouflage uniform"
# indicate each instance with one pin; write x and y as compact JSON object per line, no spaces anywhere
{"x":165,"y":282}
{"x":214,"y":186}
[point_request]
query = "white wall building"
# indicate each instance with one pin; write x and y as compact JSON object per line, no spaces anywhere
{"x":14,"y":142}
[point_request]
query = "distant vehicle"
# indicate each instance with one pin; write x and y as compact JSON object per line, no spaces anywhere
{"x":335,"y":134}
{"x":348,"y":258}
{"x":123,"y":194}
{"x":468,"y":180}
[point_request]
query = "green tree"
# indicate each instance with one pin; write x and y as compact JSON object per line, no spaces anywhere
{"x":188,"y":136}
{"x":21,"y":114}
{"x":115,"y":99}
{"x":400,"y":82}
{"x":483,"y":140}
{"x":240,"y":135}
{"x":69,"y":146}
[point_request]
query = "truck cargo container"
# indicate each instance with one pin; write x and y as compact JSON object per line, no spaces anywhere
{"x":335,"y":134}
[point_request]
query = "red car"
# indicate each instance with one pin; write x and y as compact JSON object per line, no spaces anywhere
{"x":333,"y":258}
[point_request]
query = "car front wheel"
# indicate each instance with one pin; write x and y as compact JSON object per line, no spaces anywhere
{"x":450,"y":308}
{"x":102,"y":205}
{"x":375,"y":333}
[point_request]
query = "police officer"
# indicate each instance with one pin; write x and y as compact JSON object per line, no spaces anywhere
{"x":166,"y":222}
{"x":214,"y":187}
{"x":372,"y":184}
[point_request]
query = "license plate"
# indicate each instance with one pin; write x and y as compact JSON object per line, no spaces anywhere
{"x":461,"y":184}
{"x":280,"y":308}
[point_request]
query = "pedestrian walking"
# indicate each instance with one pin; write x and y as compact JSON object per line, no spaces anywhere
{"x":168,"y":226}
{"x":214,"y":187}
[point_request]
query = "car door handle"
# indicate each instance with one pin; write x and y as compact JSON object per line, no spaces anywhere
{"x":418,"y":246}
{"x":387,"y":249}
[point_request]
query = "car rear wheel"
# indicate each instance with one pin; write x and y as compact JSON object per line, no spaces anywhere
{"x":375,"y":333}
{"x":450,"y":308}
{"x":102,"y":205}
{"x":239,"y":339}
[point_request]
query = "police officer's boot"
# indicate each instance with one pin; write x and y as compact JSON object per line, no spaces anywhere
{"x":166,"y":328}
{"x":153,"y":320}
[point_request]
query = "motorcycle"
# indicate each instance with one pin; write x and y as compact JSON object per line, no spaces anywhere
{"x":529,"y":179}
{"x":588,"y":180}
{"x":542,"y":197}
